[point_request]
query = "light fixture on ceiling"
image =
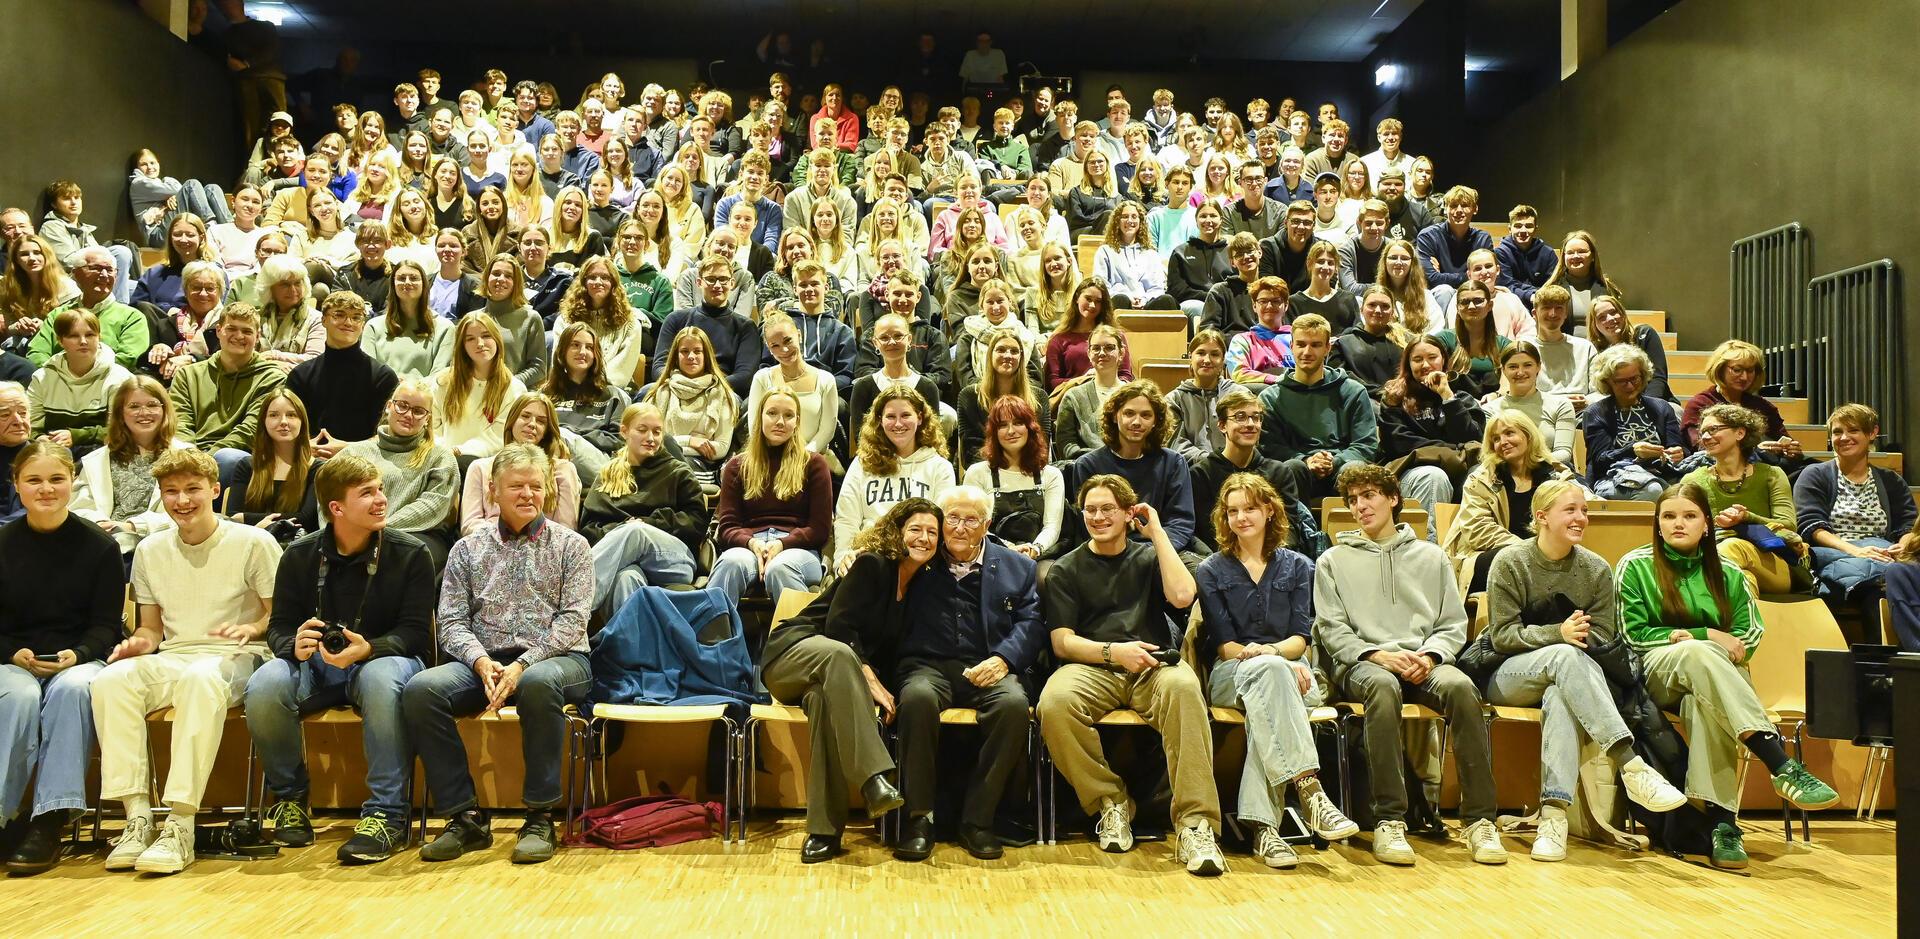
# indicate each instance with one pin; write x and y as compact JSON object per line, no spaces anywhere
{"x":1385,"y":74}
{"x":275,"y":13}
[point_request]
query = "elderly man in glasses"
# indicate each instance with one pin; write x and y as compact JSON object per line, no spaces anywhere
{"x":975,"y":628}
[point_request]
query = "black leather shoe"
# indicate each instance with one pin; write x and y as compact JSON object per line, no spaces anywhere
{"x":880,"y":795}
{"x":916,"y":839}
{"x":980,"y":842}
{"x":819,"y":848}
{"x":39,"y":848}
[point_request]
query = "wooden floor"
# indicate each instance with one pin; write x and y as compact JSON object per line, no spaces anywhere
{"x":1841,"y":886}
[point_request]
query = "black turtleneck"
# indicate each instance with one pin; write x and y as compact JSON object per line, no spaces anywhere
{"x":344,"y":391}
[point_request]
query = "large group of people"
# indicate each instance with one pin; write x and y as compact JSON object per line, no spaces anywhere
{"x":456,"y":392}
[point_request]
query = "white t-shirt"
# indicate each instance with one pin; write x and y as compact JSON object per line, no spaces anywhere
{"x":224,"y":579}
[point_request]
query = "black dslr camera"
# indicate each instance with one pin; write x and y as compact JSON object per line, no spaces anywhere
{"x":333,"y":638}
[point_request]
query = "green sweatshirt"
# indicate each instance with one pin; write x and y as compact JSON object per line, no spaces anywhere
{"x":1641,"y":613}
{"x":1333,"y":414}
{"x":218,"y":408}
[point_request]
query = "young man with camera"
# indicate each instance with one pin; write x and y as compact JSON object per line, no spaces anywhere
{"x":513,"y":621}
{"x":1112,"y":605}
{"x":353,"y":620}
{"x":205,"y":591}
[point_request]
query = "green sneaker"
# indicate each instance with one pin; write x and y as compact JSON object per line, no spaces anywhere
{"x":1797,"y":785}
{"x":1728,"y":851}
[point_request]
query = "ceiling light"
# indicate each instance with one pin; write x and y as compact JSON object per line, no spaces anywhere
{"x":1385,"y":74}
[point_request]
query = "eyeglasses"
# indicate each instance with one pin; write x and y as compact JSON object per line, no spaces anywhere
{"x":410,"y":410}
{"x":965,"y":521}
{"x":1101,"y":511}
{"x":717,"y":281}
{"x":1711,"y":430}
{"x":347,"y":317}
{"x":1102,"y":350}
{"x":1246,"y":417}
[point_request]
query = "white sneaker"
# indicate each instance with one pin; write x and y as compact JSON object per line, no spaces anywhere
{"x":1273,"y":850}
{"x":1551,"y":842}
{"x":1115,"y":828}
{"x":171,"y":852}
{"x":1390,"y":844}
{"x":1646,"y":787}
{"x":1200,"y":851}
{"x":1483,"y":837}
{"x":132,"y":842}
{"x":1326,"y":819}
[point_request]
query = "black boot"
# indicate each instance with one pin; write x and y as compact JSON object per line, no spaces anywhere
{"x":39,"y":848}
{"x":980,"y":842}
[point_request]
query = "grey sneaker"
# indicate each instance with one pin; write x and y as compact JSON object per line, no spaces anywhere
{"x":1199,"y":850}
{"x":467,"y":831}
{"x":1273,"y":850}
{"x":131,"y":844}
{"x":536,"y":841}
{"x":1326,"y":819}
{"x":1115,"y":828}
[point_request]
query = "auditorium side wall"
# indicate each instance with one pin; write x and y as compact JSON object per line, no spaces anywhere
{"x":1720,"y":119}
{"x":91,"y":80}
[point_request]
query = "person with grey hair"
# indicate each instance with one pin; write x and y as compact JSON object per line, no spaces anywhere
{"x":1634,"y":442}
{"x":15,"y":429}
{"x":973,"y":630}
{"x":513,"y":613}
{"x":123,"y":328}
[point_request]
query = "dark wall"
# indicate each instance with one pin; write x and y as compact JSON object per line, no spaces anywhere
{"x":1429,"y":93}
{"x":1719,"y":119}
{"x":89,"y":82}
{"x":1307,"y":83}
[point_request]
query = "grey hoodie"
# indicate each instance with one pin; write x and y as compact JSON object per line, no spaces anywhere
{"x":1196,"y":433}
{"x":1399,"y":595}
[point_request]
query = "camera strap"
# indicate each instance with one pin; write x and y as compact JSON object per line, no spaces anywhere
{"x":320,"y":587}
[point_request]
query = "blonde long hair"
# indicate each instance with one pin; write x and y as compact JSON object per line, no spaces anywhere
{"x":616,"y":478}
{"x":459,"y":376}
{"x":756,"y":461}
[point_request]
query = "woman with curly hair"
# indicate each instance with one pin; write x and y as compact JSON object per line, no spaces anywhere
{"x":837,"y":656}
{"x":1256,"y":599}
{"x":902,"y":454}
{"x":597,"y":299}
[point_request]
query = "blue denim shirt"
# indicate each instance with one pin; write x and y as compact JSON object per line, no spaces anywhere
{"x":1236,"y":609}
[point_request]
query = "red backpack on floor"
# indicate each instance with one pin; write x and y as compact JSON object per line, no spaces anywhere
{"x":646,"y":822}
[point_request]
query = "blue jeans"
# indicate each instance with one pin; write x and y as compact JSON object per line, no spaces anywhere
{"x":1280,"y":744}
{"x":227,"y":459}
{"x":1572,"y":695}
{"x":791,"y":569}
{"x":1841,"y":572}
{"x":634,"y":556}
{"x":58,"y":710}
{"x":283,"y":690}
{"x":435,"y":697}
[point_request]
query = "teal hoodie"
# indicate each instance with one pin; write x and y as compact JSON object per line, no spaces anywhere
{"x":1333,"y":414}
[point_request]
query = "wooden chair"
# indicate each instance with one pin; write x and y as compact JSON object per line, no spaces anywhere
{"x":1154,"y":334}
{"x":1443,"y":516}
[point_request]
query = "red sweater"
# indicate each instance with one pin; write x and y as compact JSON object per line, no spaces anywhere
{"x":807,"y":518}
